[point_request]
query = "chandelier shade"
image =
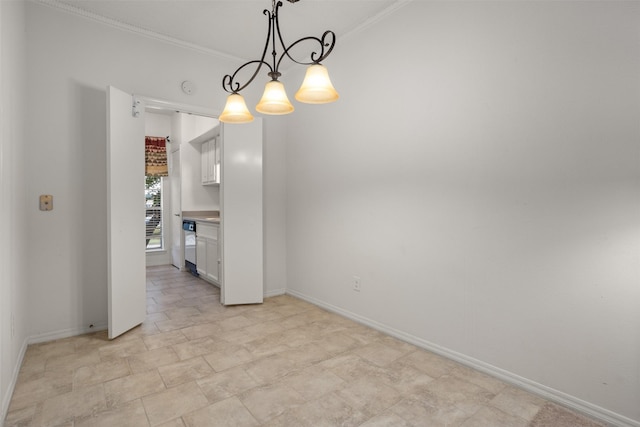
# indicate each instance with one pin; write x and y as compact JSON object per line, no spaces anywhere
{"x":316,"y":87}
{"x":274,"y":100}
{"x":235,"y":110}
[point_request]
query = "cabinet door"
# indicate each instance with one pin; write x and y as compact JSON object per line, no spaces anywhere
{"x":212,"y":162}
{"x":201,"y":256}
{"x":204,"y":162}
{"x":213,"y":268}
{"x":216,"y":160}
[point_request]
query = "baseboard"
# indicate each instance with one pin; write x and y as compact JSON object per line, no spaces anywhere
{"x":275,"y":293}
{"x":6,"y":399}
{"x":71,"y":332}
{"x":548,"y":393}
{"x":66,"y":333}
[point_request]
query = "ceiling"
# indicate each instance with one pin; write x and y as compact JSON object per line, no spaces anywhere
{"x":234,"y":28}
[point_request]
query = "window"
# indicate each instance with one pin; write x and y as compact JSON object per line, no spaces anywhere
{"x":153,"y":218}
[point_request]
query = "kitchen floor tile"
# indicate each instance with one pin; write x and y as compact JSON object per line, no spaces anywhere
{"x":174,"y":402}
{"x":66,"y":407}
{"x":130,"y":414}
{"x":72,"y":361}
{"x":231,"y":410}
{"x":152,"y":359}
{"x":269,"y":401}
{"x":369,"y":395}
{"x":198,"y":347}
{"x":387,"y":419}
{"x":164,"y":339}
{"x":225,"y":384}
{"x":27,"y":393}
{"x":427,"y":409}
{"x":325,"y":412}
{"x":313,"y":382}
{"x":185,"y":371}
{"x":228,"y":357}
{"x":269,"y":368}
{"x":194,"y":362}
{"x":100,"y":372}
{"x":494,"y":417}
{"x":132,"y":387}
{"x":517,"y":402}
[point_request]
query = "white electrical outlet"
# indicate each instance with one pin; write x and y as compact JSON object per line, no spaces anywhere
{"x":356,"y":283}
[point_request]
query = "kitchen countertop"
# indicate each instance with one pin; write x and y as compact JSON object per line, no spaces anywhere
{"x":202,"y":216}
{"x":213,"y":220}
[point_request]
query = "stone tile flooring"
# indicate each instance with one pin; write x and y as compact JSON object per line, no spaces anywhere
{"x":194,"y":362}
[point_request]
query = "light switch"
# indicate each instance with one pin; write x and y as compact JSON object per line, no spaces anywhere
{"x":46,"y":202}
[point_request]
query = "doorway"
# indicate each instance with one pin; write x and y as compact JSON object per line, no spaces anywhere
{"x":239,"y":198}
{"x":181,"y":189}
{"x":126,"y":271}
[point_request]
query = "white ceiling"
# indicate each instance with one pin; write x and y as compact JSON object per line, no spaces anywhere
{"x":235,"y":28}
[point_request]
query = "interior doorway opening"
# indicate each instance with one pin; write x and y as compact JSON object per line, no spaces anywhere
{"x":164,"y":195}
{"x":239,"y":199}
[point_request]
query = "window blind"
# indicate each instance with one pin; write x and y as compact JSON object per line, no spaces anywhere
{"x":153,"y":217}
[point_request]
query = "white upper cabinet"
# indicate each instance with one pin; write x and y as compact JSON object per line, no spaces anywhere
{"x":209,"y":156}
{"x":210,"y":161}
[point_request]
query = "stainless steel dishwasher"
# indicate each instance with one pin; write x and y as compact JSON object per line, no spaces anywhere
{"x":189,"y":228}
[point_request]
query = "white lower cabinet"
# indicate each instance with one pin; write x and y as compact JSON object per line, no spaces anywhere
{"x":208,"y":251}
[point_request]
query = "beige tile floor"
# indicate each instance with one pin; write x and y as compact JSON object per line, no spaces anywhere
{"x":194,"y":362}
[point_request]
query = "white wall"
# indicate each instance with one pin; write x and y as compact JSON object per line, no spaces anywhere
{"x":274,"y":212}
{"x":157,"y":124}
{"x":480,"y":174}
{"x":14,"y":321}
{"x":66,"y":108}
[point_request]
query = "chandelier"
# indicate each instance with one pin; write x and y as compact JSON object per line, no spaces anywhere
{"x":315,"y":89}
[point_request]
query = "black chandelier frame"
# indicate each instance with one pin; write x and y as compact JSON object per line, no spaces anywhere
{"x":326,"y":44}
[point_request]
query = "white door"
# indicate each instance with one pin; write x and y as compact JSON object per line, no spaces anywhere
{"x":177,"y":254}
{"x":125,"y":213}
{"x":241,"y":214}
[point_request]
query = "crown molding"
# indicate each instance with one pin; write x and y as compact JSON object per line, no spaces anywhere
{"x":56,"y":4}
{"x":134,"y":29}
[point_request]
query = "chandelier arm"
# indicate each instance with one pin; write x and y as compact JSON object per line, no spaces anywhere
{"x":316,"y":57}
{"x":231,"y":86}
{"x":321,"y":41}
{"x":228,"y":83}
{"x":330,"y":45}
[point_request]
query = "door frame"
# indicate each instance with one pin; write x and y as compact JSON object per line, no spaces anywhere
{"x":164,"y":105}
